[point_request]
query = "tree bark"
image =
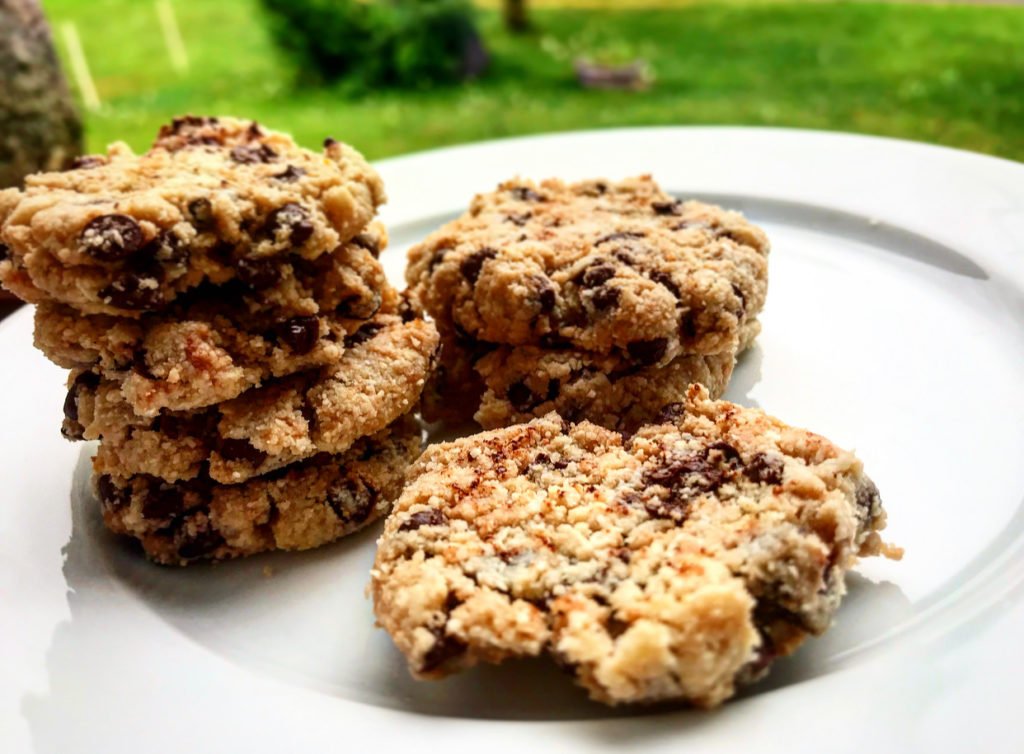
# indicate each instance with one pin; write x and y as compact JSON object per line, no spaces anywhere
{"x":515,"y":16}
{"x":39,"y":126}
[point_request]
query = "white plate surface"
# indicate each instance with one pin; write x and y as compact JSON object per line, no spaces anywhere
{"x":894,"y":325}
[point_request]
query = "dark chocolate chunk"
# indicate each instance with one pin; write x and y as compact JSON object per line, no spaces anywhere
{"x":111,"y":496}
{"x":596,"y":274}
{"x":663,"y":278}
{"x":606,"y":297}
{"x":620,"y":236}
{"x":867,"y":498}
{"x":519,"y":220}
{"x":368,"y":241}
{"x":524,"y":194}
{"x":134,"y":291}
{"x":163,"y":501}
{"x":203,"y":544}
{"x":239,"y":449}
{"x":363,"y":334}
{"x":445,"y":648}
{"x":84,"y":381}
{"x":258,"y":273}
{"x":520,"y":396}
{"x":110,"y":238}
{"x":667,"y":208}
{"x":765,"y":469}
{"x":201,"y":212}
{"x":647,"y":352}
{"x":294,"y":220}
{"x":429,"y":517}
{"x":299,"y":334}
{"x":471,"y":265}
{"x":351,"y":500}
{"x":252,"y":155}
{"x":546,"y":293}
{"x":290,"y":174}
{"x":688,"y":326}
{"x":329,"y":142}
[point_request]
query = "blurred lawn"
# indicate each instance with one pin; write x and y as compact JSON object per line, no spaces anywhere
{"x":947,"y":74}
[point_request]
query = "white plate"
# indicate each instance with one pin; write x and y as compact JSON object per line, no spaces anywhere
{"x":895,"y":325}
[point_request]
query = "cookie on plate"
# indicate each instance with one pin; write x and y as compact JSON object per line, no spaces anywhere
{"x":610,"y":268}
{"x":676,"y":564}
{"x":213,"y":344}
{"x":212,"y":200}
{"x":295,"y":508}
{"x":377,"y":379}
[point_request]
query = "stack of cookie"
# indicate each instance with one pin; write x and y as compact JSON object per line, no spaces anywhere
{"x":598,"y":300}
{"x":233,"y":341}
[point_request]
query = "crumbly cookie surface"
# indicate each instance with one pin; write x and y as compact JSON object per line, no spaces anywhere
{"x":377,"y":379}
{"x":600,"y":266}
{"x":217,"y":342}
{"x":673,"y":565}
{"x":296,"y":508}
{"x":214,"y":199}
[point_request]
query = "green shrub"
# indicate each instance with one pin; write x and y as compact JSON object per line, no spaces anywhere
{"x":399,"y":43}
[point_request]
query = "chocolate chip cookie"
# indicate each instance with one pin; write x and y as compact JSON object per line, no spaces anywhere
{"x":525,"y":382}
{"x":610,"y":268}
{"x":676,"y":564}
{"x":214,"y":199}
{"x":296,"y":508}
{"x":377,"y":379}
{"x":214,"y":343}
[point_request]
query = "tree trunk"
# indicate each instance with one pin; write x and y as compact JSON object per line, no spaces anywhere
{"x":515,"y":15}
{"x":39,"y":127}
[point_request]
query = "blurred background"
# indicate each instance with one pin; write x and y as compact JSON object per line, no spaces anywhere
{"x":393,"y":76}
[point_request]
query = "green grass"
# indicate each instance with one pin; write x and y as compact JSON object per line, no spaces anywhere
{"x":947,"y":74}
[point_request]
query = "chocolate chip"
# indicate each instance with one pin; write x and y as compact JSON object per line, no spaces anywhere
{"x":601,"y":187}
{"x":363,"y":334}
{"x":167,"y":249}
{"x":520,"y":396}
{"x":368,"y":241}
{"x":407,"y":311}
{"x":553,"y":387}
{"x":329,"y":142}
{"x":5,"y":251}
{"x":620,"y":236}
{"x":163,"y":501}
{"x":729,"y":453}
{"x":667,"y":208}
{"x":110,"y":238}
{"x":692,"y":471}
{"x":293,"y":220}
{"x":648,"y":351}
{"x":201,"y":212}
{"x":444,"y":649}
{"x":596,"y":274}
{"x":519,"y":220}
{"x":743,"y":299}
{"x":111,"y":496}
{"x":688,"y":326}
{"x":185,"y":122}
{"x":616,"y":627}
{"x":351,"y":500}
{"x":524,"y":194}
{"x":238,"y":449}
{"x":84,"y":381}
{"x":765,"y":469}
{"x":663,"y":278}
{"x":134,"y":291}
{"x":671,"y":413}
{"x":359,"y":307}
{"x":429,"y":517}
{"x":545,"y":293}
{"x":179,"y":426}
{"x":867,"y":497}
{"x":290,"y":174}
{"x":202,"y":544}
{"x":252,"y":155}
{"x":299,"y":334}
{"x":471,"y":265}
{"x":258,"y":273}
{"x":606,"y":297}
{"x":88,"y":161}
